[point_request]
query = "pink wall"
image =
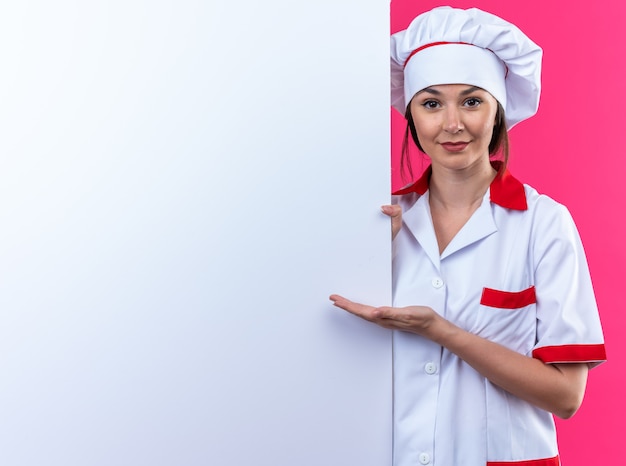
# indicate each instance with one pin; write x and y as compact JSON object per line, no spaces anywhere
{"x":572,"y":151}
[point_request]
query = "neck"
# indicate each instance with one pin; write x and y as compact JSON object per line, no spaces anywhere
{"x":460,"y":189}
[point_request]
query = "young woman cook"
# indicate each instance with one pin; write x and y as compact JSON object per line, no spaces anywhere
{"x":495,"y":319}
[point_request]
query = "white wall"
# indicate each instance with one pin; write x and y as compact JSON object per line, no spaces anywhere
{"x":182,"y":185}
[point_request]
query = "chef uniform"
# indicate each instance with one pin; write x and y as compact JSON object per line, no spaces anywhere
{"x":515,"y":274}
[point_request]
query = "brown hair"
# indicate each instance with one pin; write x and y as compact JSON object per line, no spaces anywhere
{"x":499,"y":142}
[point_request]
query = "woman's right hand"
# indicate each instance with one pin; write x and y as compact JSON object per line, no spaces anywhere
{"x":395,"y":213}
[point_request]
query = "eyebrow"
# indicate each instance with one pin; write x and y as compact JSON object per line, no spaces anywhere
{"x":470,"y":90}
{"x":467,"y":91}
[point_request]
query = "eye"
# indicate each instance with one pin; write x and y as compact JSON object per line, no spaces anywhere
{"x":472,"y":102}
{"x":430,"y":104}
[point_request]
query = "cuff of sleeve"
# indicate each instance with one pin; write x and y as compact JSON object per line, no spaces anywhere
{"x":592,"y":354}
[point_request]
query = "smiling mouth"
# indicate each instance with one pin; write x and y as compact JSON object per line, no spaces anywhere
{"x":454,"y":146}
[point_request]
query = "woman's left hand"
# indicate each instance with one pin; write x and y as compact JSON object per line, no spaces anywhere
{"x":416,"y":319}
{"x":558,"y":388}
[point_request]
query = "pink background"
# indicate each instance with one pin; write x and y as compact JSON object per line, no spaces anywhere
{"x":572,"y":151}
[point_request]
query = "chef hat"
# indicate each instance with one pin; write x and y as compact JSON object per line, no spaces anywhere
{"x":453,"y":46}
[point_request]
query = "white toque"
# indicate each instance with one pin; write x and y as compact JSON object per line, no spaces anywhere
{"x":454,"y":46}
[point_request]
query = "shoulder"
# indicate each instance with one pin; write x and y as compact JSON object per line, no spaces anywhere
{"x":544,"y":209}
{"x":552,"y":227}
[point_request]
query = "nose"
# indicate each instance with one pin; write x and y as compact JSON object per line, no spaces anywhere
{"x":452,"y":120}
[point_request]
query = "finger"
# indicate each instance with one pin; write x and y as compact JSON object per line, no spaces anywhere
{"x":395,"y":213}
{"x":340,"y":301}
{"x":358,"y":309}
{"x":392,"y":211}
{"x":335,"y":298}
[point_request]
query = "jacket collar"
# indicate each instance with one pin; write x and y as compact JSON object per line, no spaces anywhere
{"x":505,"y":190}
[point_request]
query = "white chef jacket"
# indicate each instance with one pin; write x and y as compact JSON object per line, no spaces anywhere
{"x":516,"y":274}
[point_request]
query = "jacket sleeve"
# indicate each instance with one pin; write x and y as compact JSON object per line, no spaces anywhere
{"x":568,"y":323}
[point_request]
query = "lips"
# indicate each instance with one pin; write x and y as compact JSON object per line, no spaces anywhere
{"x":454,"y":146}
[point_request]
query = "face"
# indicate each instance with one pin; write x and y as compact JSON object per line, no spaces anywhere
{"x":454,"y":124}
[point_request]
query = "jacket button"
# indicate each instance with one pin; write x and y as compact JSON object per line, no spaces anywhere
{"x":430,"y":368}
{"x":437,"y":282}
{"x":424,"y":458}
